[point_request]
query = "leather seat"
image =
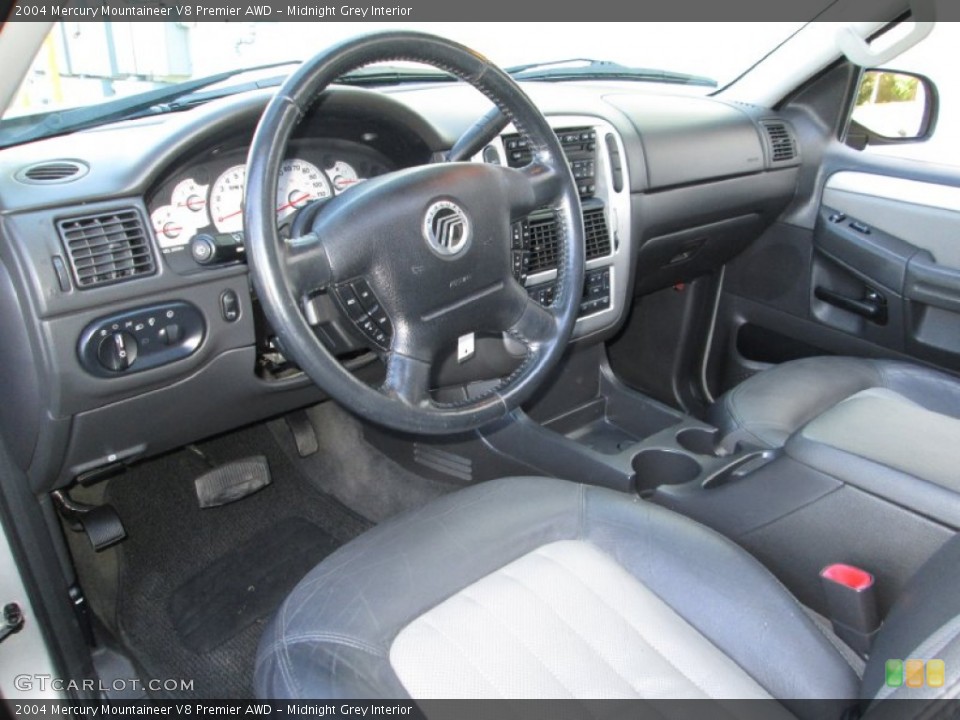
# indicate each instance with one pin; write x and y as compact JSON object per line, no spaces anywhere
{"x":769,"y":407}
{"x":890,"y":428}
{"x":529,"y":587}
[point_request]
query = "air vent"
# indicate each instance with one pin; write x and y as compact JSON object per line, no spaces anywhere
{"x":50,"y":173}
{"x":544,"y":244}
{"x":783,"y":146}
{"x":597,"y":235}
{"x":107,"y":248}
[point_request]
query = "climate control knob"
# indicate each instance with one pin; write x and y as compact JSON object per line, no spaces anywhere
{"x":117,"y":351}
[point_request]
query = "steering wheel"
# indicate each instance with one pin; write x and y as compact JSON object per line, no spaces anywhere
{"x":432,"y":244}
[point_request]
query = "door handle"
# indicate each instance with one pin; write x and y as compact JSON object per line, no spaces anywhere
{"x":873,"y":306}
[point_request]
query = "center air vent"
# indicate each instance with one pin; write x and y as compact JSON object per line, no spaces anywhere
{"x":107,"y":248}
{"x":52,"y":172}
{"x":544,"y":244}
{"x":597,"y":235}
{"x":782,"y":144}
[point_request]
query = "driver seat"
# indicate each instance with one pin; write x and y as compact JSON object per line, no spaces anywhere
{"x":531,"y":587}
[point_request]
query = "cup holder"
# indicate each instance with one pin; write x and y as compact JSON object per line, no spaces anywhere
{"x":657,"y":467}
{"x":701,"y":441}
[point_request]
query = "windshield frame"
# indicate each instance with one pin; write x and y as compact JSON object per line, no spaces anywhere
{"x":58,"y":119}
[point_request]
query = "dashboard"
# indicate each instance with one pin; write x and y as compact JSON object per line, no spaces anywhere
{"x":126,"y":303}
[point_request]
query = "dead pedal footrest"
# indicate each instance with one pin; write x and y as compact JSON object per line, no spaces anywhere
{"x":232,"y":481}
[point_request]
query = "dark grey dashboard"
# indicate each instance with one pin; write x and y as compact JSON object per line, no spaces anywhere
{"x":679,"y":185}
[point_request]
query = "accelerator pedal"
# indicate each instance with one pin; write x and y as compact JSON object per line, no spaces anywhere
{"x":232,"y":481}
{"x":100,"y":523}
{"x":304,"y":433}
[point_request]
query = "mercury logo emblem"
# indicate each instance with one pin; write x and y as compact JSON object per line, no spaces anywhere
{"x":446,"y":228}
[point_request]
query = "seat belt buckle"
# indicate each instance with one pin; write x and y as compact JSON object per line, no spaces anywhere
{"x":852,"y":603}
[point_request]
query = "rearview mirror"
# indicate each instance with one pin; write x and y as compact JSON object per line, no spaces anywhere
{"x":892,"y":107}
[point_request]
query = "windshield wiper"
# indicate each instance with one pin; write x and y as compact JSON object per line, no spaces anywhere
{"x":559,"y":70}
{"x":160,"y":100}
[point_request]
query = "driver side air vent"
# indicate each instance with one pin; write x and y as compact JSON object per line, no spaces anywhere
{"x":55,"y":171}
{"x":107,"y":248}
{"x":780,"y":141}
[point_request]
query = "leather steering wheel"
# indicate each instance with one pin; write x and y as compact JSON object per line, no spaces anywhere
{"x":432,"y":243}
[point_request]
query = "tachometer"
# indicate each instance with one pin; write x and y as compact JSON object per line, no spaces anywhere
{"x":226,"y":199}
{"x":299,"y":183}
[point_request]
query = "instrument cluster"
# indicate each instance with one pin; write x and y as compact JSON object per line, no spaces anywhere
{"x":207,"y":196}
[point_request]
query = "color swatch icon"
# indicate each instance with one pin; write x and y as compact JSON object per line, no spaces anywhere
{"x":936,"y":671}
{"x":915,"y":673}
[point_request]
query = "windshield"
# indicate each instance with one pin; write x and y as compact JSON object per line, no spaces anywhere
{"x":90,"y":63}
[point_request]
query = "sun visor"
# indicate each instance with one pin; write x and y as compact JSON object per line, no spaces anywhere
{"x":892,"y":44}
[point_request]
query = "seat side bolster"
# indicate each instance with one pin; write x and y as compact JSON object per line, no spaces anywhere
{"x":727,"y":595}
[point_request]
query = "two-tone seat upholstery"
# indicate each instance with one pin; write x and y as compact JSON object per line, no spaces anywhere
{"x":529,"y":587}
{"x":890,"y":428}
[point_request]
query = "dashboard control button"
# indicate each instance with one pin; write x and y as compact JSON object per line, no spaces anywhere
{"x":170,"y":334}
{"x":219,"y":249}
{"x":368,"y":300}
{"x":203,"y":249}
{"x":141,"y":338}
{"x":229,"y":306}
{"x":118,"y":351}
{"x":351,"y":303}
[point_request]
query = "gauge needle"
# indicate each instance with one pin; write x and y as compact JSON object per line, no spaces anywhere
{"x":192,"y":204}
{"x":227,"y":217}
{"x":293,"y":202}
{"x":169,"y":229}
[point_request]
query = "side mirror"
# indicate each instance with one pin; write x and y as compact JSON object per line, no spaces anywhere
{"x":892,"y":107}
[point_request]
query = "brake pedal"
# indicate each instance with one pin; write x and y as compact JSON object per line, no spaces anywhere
{"x":232,"y":481}
{"x":100,"y":523}
{"x":304,"y":433}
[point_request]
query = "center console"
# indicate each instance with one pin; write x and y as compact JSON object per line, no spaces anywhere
{"x":594,"y":151}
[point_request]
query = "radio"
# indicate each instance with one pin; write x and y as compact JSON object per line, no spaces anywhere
{"x":579,"y":145}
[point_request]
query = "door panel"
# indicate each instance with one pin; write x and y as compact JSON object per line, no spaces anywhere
{"x":926,"y":215}
{"x":877,"y":275}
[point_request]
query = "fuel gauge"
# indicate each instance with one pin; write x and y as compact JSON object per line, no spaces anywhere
{"x":342,"y":176}
{"x":168,"y":226}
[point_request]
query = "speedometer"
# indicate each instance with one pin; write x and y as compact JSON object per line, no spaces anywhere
{"x":226,"y":200}
{"x":299,"y":182}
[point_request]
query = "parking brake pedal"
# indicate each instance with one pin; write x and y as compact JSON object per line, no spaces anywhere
{"x":100,"y":523}
{"x":232,"y":481}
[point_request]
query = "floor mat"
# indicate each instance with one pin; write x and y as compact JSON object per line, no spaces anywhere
{"x":247,"y":584}
{"x":174,"y":547}
{"x":354,"y":471}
